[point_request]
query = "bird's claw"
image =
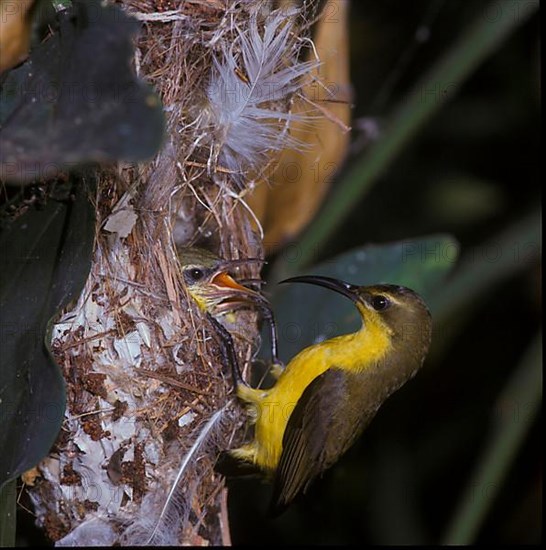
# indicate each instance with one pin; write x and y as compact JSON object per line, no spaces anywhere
{"x":277,"y":368}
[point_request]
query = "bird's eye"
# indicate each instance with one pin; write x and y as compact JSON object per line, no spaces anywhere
{"x":380,"y":302}
{"x":195,"y":274}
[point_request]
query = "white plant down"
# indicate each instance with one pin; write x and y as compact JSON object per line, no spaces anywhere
{"x":249,"y":88}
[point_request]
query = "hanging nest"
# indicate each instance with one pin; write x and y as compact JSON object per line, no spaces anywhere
{"x":150,"y":400}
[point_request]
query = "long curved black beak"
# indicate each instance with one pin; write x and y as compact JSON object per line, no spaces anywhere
{"x":348,"y":290}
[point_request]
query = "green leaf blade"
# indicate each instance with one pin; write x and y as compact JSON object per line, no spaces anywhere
{"x":76,"y":100}
{"x":46,"y":258}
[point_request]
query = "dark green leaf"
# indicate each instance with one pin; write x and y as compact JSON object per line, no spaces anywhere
{"x":77,"y":100}
{"x":45,"y":259}
{"x":308,"y":314}
{"x":8,"y":496}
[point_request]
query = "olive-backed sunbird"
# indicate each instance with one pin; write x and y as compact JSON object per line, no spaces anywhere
{"x":330,"y":391}
{"x":219,"y":296}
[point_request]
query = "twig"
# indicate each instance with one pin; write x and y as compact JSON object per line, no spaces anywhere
{"x":171,"y":381}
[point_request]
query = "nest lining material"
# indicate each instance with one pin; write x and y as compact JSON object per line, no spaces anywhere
{"x":149,"y":399}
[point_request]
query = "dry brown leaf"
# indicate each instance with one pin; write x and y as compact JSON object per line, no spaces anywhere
{"x":15,"y":27}
{"x":287,"y":203}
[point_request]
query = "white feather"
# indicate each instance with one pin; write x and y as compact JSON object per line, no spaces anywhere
{"x":163,"y":528}
{"x":245,"y":113}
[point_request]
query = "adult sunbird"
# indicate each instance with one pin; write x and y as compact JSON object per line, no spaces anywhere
{"x":329,"y":392}
{"x":219,"y":296}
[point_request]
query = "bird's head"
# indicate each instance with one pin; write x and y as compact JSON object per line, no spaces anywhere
{"x":400,"y":310}
{"x":209,"y":283}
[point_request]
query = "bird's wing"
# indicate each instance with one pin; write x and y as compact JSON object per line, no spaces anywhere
{"x":331,"y":413}
{"x":305,"y":437}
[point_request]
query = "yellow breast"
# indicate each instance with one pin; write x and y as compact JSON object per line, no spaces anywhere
{"x":354,"y":352}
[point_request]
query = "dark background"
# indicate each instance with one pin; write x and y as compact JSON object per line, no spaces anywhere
{"x":471,"y":172}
